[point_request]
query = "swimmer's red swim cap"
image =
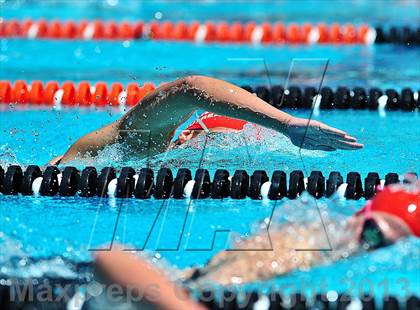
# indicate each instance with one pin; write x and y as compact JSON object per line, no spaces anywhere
{"x":398,"y":201}
{"x":211,"y":120}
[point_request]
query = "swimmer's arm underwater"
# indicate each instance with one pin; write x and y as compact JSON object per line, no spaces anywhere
{"x":149,"y":127}
{"x":148,"y":283}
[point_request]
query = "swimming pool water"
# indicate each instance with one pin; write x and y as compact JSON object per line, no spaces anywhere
{"x":377,"y":12}
{"x":151,"y":61}
{"x":68,"y":227}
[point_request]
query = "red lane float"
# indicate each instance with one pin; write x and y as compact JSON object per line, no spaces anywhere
{"x":55,"y":30}
{"x":69,"y":30}
{"x":20,"y":93}
{"x":5,"y":92}
{"x":132,"y":94}
{"x":82,"y":94}
{"x":69,"y":94}
{"x":222,"y":32}
{"x":114,"y":97}
{"x":100,"y":97}
{"x":36,"y":93}
{"x":39,"y":30}
{"x":49,"y":91}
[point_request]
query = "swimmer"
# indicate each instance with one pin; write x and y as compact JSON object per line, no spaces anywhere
{"x":148,"y":128}
{"x":393,"y":214}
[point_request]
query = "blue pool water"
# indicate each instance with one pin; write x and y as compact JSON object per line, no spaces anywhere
{"x":354,"y":11}
{"x":70,"y":227}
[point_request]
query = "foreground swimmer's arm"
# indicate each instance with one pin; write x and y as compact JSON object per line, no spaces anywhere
{"x":141,"y":278}
{"x":149,"y":127}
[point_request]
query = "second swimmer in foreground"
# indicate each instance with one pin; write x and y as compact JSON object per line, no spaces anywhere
{"x":149,"y":127}
{"x":392,"y":215}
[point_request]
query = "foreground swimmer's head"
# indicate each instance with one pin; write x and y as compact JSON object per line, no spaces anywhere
{"x":210,"y":122}
{"x":393,"y":214}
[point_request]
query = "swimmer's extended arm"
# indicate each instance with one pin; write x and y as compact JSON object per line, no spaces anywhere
{"x":153,"y":121}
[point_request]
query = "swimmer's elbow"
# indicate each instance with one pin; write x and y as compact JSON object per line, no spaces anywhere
{"x":182,"y":84}
{"x":186,"y":82}
{"x":195,"y":81}
{"x":190,"y":79}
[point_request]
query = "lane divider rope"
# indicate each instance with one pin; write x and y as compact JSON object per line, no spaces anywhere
{"x":71,"y":94}
{"x":230,"y":299}
{"x":145,"y":184}
{"x":84,"y":94}
{"x":222,"y":32}
{"x":357,"y":98}
{"x":79,"y":291}
{"x":80,"y":295}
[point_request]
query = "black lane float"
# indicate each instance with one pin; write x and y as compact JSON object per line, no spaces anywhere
{"x":145,"y":183}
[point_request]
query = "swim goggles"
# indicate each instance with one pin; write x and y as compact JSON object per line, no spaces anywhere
{"x":372,"y":237}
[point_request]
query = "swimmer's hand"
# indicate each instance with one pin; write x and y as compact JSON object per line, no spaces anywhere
{"x":314,"y":135}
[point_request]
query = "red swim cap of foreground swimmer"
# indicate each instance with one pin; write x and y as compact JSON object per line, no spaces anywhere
{"x":400,"y":202}
{"x":211,"y":120}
